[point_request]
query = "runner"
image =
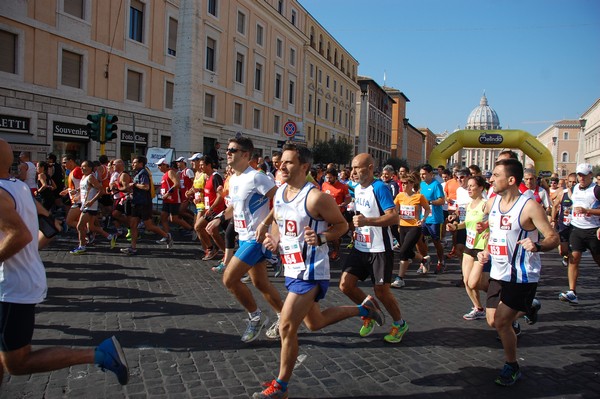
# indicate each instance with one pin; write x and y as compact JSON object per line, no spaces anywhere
{"x":250,"y":192}
{"x":303,"y":216}
{"x":561,"y":217}
{"x":170,"y":190}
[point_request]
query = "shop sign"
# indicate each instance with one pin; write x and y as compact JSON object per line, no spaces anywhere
{"x":140,"y":138}
{"x":70,"y":130}
{"x":9,"y":123}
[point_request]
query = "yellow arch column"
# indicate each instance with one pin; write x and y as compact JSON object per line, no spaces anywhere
{"x":541,"y":156}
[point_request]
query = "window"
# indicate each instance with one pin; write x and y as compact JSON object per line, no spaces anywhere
{"x":134,"y":86}
{"x":239,"y":68}
{"x":280,"y":6}
{"x":258,"y":77}
{"x":212,"y":7}
{"x":318,"y":107}
{"x":209,"y":105}
{"x":320,"y":76}
{"x":327,"y":81}
{"x":326,"y":110}
{"x":8,"y":49}
{"x":241,"y":23}
{"x":211,"y":46}
{"x":73,"y":7}
{"x":71,"y":69}
{"x":256,"y":119}
{"x":276,"y":124}
{"x":291,"y":92}
{"x":294,"y":17}
{"x":169,"y":89}
{"x":278,"y":86}
{"x":310,"y":99}
{"x":333,"y":114}
{"x":172,"y":48}
{"x":292,"y":57}
{"x":279,"y":48}
{"x":136,"y":21}
{"x":312,"y":71}
{"x":334,"y":85}
{"x":259,"y":35}
{"x":237,"y":113}
{"x":564,"y":157}
{"x":566,"y":136}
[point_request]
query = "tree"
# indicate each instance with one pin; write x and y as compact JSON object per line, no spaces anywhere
{"x":397,"y":163}
{"x":333,"y":151}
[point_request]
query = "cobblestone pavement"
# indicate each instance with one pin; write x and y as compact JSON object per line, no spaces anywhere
{"x":181,"y":333}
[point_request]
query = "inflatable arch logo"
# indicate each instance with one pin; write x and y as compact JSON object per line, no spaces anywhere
{"x":541,"y":156}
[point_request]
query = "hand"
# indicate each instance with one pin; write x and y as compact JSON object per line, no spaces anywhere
{"x":451,"y":227}
{"x":261,"y":231}
{"x":481,"y":227}
{"x":483,"y":257}
{"x":452,"y":217}
{"x":527,"y":244}
{"x":359,"y":220}
{"x":213,"y":224}
{"x":269,"y":242}
{"x":311,"y":237}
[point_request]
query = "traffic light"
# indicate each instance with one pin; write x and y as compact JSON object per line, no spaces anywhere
{"x":94,"y":126}
{"x":111,"y":127}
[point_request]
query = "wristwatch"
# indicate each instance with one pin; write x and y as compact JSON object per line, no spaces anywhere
{"x":538,"y":247}
{"x":321,"y":239}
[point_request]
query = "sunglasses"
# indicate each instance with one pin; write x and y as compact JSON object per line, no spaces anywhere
{"x":233,"y":150}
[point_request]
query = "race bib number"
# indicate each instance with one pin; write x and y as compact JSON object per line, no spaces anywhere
{"x":471,"y":234}
{"x":163,"y":192}
{"x":291,"y":257}
{"x":498,"y":250}
{"x":407,"y":212}
{"x":206,"y":201}
{"x":567,"y":220}
{"x":363,"y":238}
{"x":462,"y":213}
{"x":181,"y":183}
{"x":239,"y":223}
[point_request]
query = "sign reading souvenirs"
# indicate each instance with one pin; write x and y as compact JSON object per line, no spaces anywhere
{"x":9,"y":123}
{"x":70,"y":130}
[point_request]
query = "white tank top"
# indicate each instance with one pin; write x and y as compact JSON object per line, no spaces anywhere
{"x":22,"y":276}
{"x":87,"y":193}
{"x":586,"y":199}
{"x":510,"y":262}
{"x":30,"y":178}
{"x":301,"y":261}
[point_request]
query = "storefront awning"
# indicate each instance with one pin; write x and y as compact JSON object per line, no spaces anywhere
{"x":23,"y":142}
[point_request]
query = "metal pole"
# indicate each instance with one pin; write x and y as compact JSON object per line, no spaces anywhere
{"x":103,"y":132}
{"x":134,"y":142}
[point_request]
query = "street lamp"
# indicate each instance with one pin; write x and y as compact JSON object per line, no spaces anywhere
{"x":581,"y":149}
{"x":405,"y":139}
{"x":554,"y":141}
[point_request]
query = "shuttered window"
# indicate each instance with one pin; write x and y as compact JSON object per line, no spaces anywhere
{"x":71,"y":69}
{"x":169,"y":95}
{"x":172,"y":50}
{"x":8,"y":49}
{"x":74,"y":8}
{"x":134,"y":86}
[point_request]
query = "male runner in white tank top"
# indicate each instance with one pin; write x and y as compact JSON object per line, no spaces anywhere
{"x":513,"y":246}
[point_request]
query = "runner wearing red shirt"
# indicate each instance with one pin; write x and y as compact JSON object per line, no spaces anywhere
{"x":340,"y":193}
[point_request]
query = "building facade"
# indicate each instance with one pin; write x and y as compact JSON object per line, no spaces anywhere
{"x":374,"y":121}
{"x":177,"y":74}
{"x":591,"y":134}
{"x":562,"y":139}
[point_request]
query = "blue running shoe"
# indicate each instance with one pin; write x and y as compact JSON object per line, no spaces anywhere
{"x":110,"y":356}
{"x":508,"y":376}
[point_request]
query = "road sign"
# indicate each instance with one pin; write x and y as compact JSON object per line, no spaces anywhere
{"x":290,"y":129}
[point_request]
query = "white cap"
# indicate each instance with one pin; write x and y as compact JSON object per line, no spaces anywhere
{"x":180,"y":159}
{"x":161,"y":161}
{"x":584,"y":169}
{"x":195,"y":157}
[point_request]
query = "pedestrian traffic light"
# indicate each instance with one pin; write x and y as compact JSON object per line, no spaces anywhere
{"x":110,"y":127}
{"x":94,"y":126}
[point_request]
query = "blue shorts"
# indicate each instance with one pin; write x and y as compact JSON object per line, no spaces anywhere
{"x":301,"y":287}
{"x":434,"y":230}
{"x":252,"y":252}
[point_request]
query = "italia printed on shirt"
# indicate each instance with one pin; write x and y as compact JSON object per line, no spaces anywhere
{"x":373,"y":201}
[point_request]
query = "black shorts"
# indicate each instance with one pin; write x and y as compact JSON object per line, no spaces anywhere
{"x":409,"y":237}
{"x":106,"y":200}
{"x":517,"y":296}
{"x":377,"y":265}
{"x":142,"y":211}
{"x":461,"y":236}
{"x":582,"y":239}
{"x":16,"y":325}
{"x":472,"y":252}
{"x":171,"y":209}
{"x":565,"y":234}
{"x":90,"y":212}
{"x":229,"y":234}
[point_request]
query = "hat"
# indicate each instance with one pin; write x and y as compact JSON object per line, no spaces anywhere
{"x":584,"y":169}
{"x":195,"y":157}
{"x":180,"y":159}
{"x":488,"y":174}
{"x":161,"y":162}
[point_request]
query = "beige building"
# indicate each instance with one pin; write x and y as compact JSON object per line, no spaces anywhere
{"x":562,"y":139}
{"x":591,"y":139}
{"x":181,"y":77}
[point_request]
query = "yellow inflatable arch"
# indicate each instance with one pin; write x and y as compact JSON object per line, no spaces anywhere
{"x":541,"y":156}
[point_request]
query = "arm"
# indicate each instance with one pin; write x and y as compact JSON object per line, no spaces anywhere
{"x":16,"y":234}
{"x":323,"y":206}
{"x":537,"y":219}
{"x":389,"y":218}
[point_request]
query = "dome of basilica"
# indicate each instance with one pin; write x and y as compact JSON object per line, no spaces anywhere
{"x":483,"y":117}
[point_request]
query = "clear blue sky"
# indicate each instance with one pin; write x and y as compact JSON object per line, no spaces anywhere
{"x":537,"y":60}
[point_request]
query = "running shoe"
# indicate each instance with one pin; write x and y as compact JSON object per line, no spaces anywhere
{"x":220,"y":268}
{"x":350,"y":246}
{"x":129,"y":251}
{"x":334,"y":256}
{"x":273,"y":331}
{"x":367,"y":327}
{"x":254,"y":328}
{"x":396,"y":334}
{"x":474,"y":314}
{"x":128,"y":236}
{"x":246,"y":279}
{"x":91,"y":237}
{"x":78,"y":251}
{"x":272,"y":391}
{"x":210,"y":254}
{"x":398,"y":283}
{"x":440,"y":268}
{"x":516,"y":328}
{"x":568,"y":296}
{"x":278,"y":268}
{"x":169,"y":241}
{"x":162,"y":240}
{"x":508,"y":376}
{"x":375,"y":312}
{"x":532,"y":315}
{"x":565,"y":261}
{"x":110,"y":356}
{"x":421,"y":269}
{"x":113,"y":240}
